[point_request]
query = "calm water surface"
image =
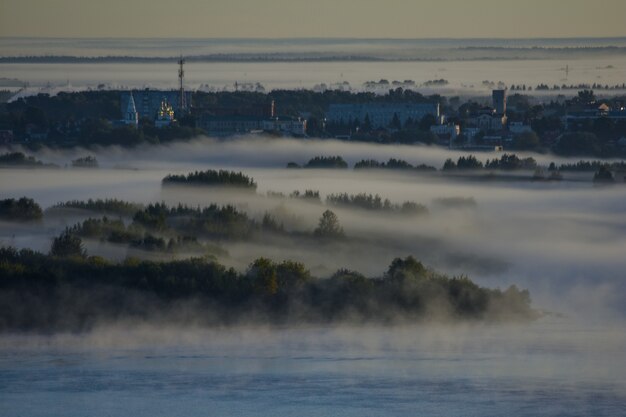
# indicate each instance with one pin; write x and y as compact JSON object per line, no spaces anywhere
{"x":553,"y":367}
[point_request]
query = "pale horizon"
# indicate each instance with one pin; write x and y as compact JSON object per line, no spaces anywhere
{"x":323,"y":19}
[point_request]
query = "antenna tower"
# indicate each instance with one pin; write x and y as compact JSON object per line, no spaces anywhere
{"x":182,"y":102}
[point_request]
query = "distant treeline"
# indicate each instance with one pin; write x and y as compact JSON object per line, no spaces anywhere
{"x":375,"y":203}
{"x":53,"y":293}
{"x":20,"y":210}
{"x":588,"y":166}
{"x":102,"y":206}
{"x":447,"y":54}
{"x":555,"y":87}
{"x":214,"y":178}
{"x":507,"y":162}
{"x":322,"y":162}
{"x":392,"y":164}
{"x":19,"y":159}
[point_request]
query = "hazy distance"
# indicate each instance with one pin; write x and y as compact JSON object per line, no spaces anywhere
{"x":320,"y":19}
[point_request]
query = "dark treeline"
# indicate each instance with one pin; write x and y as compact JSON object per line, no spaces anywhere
{"x":507,"y":162}
{"x":583,"y":86}
{"x":392,"y":164}
{"x":588,"y":166}
{"x":211,"y":177}
{"x":375,"y":203}
{"x":89,"y":161}
{"x":211,"y":222}
{"x":322,"y":162}
{"x":20,"y":210}
{"x":52,"y":293}
{"x":102,"y":206}
{"x":466,"y":53}
{"x":19,"y":159}
{"x":137,"y":237}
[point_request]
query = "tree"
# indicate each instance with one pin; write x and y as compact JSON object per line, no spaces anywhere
{"x":603,"y":176}
{"x":526,"y":140}
{"x":329,"y":226}
{"x":409,"y":267}
{"x":395,"y":122}
{"x":24,"y":209}
{"x":367,"y":123}
{"x":426,"y":122}
{"x":68,"y":245}
{"x":578,"y":143}
{"x":586,"y":96}
{"x":262,"y":273}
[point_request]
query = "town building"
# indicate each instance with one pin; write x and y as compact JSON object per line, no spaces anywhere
{"x":291,"y":126}
{"x":380,"y":115}
{"x":446,"y":133}
{"x":131,"y":116}
{"x":165,"y":115}
{"x":148,"y":102}
{"x":578,"y":119}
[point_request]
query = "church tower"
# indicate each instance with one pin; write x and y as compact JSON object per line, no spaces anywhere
{"x":131,"y":117}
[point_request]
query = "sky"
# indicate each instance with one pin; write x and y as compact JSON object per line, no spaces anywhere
{"x":313,"y":18}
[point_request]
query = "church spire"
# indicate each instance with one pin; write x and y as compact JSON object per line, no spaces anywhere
{"x":132,"y":118}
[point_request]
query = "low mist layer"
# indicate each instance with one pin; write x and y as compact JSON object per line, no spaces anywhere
{"x":563,"y":241}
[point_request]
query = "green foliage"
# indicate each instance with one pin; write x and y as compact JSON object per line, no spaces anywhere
{"x":308,"y":195}
{"x":214,"y":178}
{"x":393,"y":163}
{"x":401,"y":269}
{"x":603,"y":176}
{"x":68,"y":245}
{"x":374,"y":203}
{"x":526,"y":141}
{"x":578,"y":143}
{"x":463,"y":163}
{"x":85,"y":162}
{"x":213,"y":221}
{"x":60,"y":292}
{"x":24,"y":209}
{"x":327,"y":162}
{"x":102,"y":206}
{"x":590,"y":166}
{"x":19,"y":159}
{"x":329,"y":226}
{"x":511,"y":162}
{"x":263,"y":277}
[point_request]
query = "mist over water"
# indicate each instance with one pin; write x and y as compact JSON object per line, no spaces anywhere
{"x":563,"y":241}
{"x":464,"y":63}
{"x":552,"y":368}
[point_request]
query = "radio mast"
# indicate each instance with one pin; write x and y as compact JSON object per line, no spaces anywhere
{"x":182,"y":102}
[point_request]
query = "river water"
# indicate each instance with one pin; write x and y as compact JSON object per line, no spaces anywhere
{"x":552,"y":367}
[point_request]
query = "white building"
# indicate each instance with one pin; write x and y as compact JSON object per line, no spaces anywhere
{"x":380,"y":115}
{"x":131,"y":117}
{"x":489,"y":122}
{"x":287,"y":125}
